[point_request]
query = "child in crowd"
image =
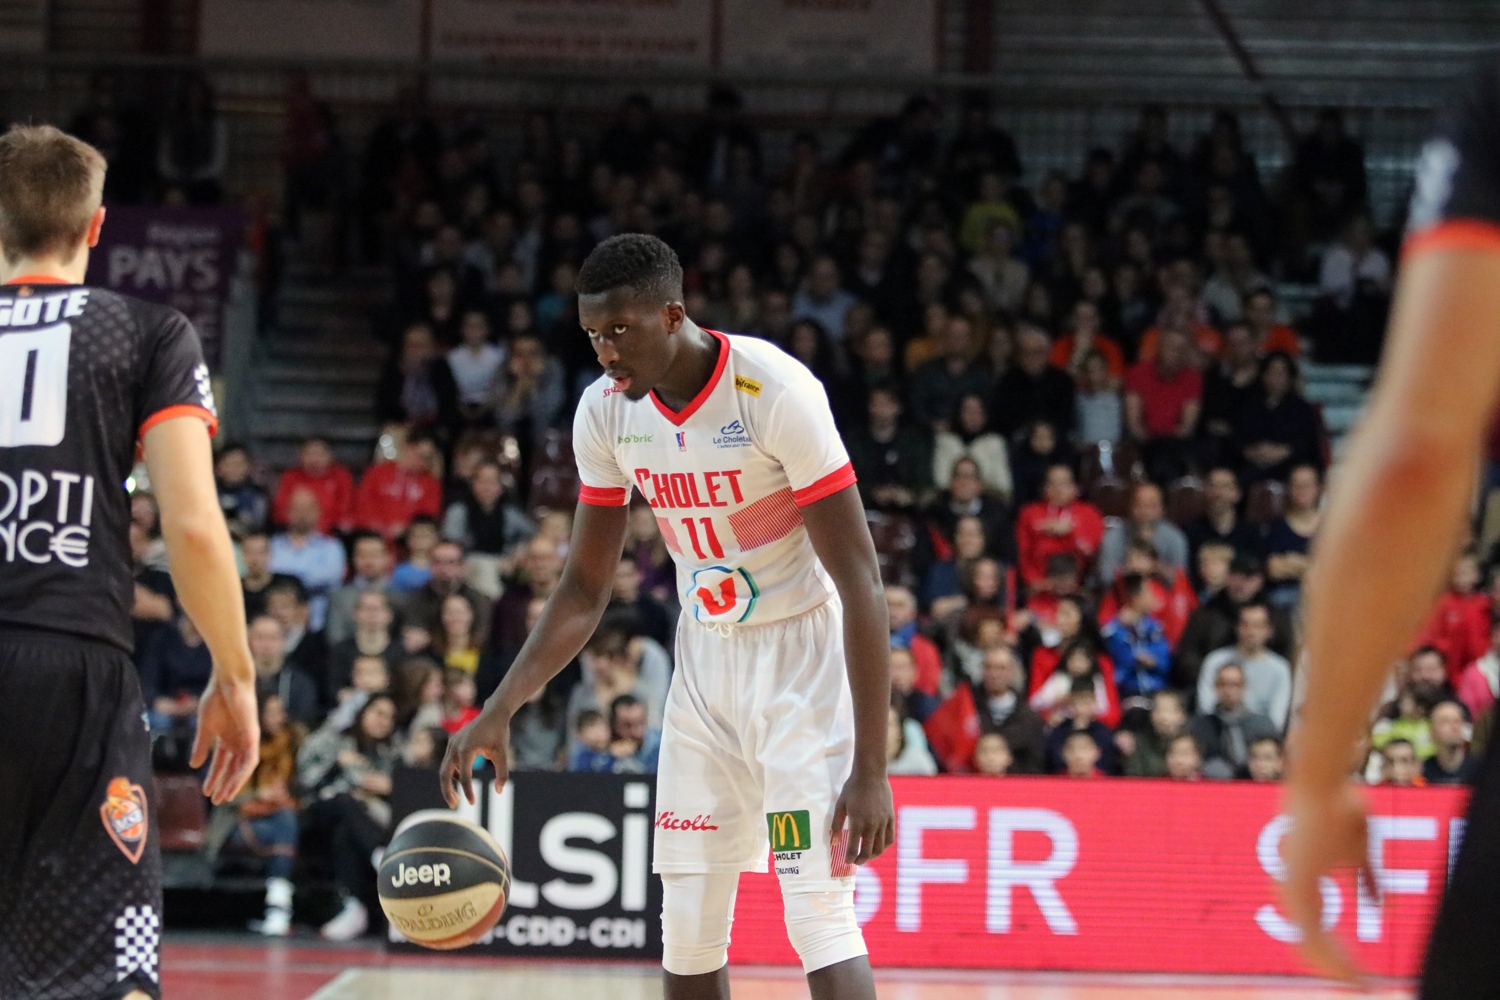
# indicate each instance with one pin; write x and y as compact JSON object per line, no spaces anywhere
{"x":1407,"y":723}
{"x":420,"y":539}
{"x":1184,"y":759}
{"x":367,"y":676}
{"x":1081,"y":705}
{"x":1266,"y":760}
{"x":1400,"y":766}
{"x":1081,"y":662}
{"x":1213,"y":569}
{"x":591,"y":749}
{"x":458,"y":699}
{"x":1146,"y":753}
{"x":1081,"y":755}
{"x":906,"y":749}
{"x":916,"y":704}
{"x":1136,"y":641}
{"x":992,"y":755}
{"x":1459,"y":626}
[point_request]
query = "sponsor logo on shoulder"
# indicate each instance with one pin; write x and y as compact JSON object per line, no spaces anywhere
{"x":732,"y":435}
{"x":747,"y":385}
{"x":635,"y":438}
{"x":124,"y":815}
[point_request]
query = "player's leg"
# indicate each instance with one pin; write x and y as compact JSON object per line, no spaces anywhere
{"x":708,"y":825}
{"x":1462,"y":961}
{"x":696,"y":914}
{"x":805,"y":751}
{"x":82,"y":913}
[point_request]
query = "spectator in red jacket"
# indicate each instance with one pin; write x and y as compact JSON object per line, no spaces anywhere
{"x":392,"y":493}
{"x":1459,"y":626}
{"x":1163,"y":398}
{"x":1058,"y":524}
{"x":994,"y":705}
{"x":328,"y":480}
{"x":1173,"y":594}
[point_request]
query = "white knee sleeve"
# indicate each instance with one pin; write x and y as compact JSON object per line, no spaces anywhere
{"x":822,"y":927}
{"x":696,"y":911}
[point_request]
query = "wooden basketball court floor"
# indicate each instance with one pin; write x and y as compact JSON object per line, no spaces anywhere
{"x":237,"y":969}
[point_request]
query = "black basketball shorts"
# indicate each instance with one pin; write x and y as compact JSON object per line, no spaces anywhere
{"x":1462,"y":960}
{"x":80,"y":864}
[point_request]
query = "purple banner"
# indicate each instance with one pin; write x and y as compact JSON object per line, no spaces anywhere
{"x":180,"y":257}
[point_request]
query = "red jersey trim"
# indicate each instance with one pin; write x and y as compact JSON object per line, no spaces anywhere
{"x":38,"y":279}
{"x":678,"y":419}
{"x":181,"y":410}
{"x":603,"y":496}
{"x":1460,"y":234}
{"x":827,"y":486}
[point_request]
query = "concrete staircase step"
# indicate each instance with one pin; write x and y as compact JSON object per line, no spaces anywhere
{"x":297,"y":426}
{"x":305,"y":372}
{"x":282,"y":345}
{"x":342,"y":398}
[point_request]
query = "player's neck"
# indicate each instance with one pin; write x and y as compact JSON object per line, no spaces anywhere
{"x":694,"y":365}
{"x":50,"y":266}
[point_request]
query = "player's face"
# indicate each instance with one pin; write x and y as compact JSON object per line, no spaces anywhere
{"x":635,"y":340}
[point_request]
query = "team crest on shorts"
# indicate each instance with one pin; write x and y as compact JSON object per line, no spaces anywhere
{"x":124,"y":814}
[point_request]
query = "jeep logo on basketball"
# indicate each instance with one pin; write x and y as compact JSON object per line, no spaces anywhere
{"x":425,"y":874}
{"x":790,"y":831}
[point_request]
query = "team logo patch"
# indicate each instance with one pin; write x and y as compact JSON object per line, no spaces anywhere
{"x":747,"y":385}
{"x":682,"y":440}
{"x":124,"y":815}
{"x":732,"y":435}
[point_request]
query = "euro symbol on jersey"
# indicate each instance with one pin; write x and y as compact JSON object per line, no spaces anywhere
{"x":723,"y":603}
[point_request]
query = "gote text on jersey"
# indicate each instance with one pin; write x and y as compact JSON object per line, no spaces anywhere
{"x":29,"y":310}
{"x":682,"y":489}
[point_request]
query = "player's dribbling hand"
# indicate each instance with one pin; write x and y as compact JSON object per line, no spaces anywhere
{"x":865,"y":804}
{"x":1328,"y":831}
{"x":229,"y":726}
{"x":487,"y":736}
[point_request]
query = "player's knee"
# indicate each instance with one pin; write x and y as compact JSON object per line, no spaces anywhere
{"x":696,"y":911}
{"x":822,"y":927}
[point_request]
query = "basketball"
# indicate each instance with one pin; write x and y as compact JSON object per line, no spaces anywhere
{"x":443,"y":880}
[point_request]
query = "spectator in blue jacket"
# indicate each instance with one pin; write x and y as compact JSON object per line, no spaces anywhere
{"x":1136,"y":641}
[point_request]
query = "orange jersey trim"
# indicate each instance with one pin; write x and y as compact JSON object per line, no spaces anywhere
{"x":827,"y":486}
{"x":38,"y":279}
{"x":1459,"y":234}
{"x":181,"y":410}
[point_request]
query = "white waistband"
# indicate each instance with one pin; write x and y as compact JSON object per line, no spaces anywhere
{"x":729,"y":629}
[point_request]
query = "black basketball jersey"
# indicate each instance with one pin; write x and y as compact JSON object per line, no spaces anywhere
{"x":84,"y":373}
{"x":1456,"y":201}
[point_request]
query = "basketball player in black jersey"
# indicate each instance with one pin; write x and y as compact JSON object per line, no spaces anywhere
{"x":1393,"y":520}
{"x":86,"y":378}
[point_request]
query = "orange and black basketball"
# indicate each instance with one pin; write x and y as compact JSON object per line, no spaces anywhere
{"x":443,"y":880}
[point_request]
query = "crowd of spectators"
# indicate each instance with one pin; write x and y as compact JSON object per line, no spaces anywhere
{"x":1074,"y":411}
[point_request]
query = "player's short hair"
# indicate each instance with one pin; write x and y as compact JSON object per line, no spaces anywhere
{"x":639,"y":262}
{"x":50,"y":186}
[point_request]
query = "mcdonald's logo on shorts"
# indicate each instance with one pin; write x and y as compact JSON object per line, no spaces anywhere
{"x":790,"y":831}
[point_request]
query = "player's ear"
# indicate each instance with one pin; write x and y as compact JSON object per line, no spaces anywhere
{"x":96,"y":225}
{"x":673,"y":314}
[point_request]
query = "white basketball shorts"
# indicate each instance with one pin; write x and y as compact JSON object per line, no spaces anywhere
{"x":757,"y":742}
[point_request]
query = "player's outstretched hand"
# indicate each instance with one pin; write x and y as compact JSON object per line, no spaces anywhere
{"x":866,"y":805}
{"x":229,"y":727}
{"x":1328,"y":831}
{"x":487,"y":736}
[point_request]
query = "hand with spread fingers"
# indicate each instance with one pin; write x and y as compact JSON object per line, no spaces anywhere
{"x":865,"y":804}
{"x":1329,"y":831}
{"x":229,"y":728}
{"x":487,"y":736}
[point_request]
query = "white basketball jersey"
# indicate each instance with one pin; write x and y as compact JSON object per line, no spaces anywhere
{"x":726,"y":478}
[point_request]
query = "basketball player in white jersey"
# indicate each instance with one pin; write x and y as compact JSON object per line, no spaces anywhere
{"x":773,"y":739}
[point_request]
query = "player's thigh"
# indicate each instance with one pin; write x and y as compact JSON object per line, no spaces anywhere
{"x":805,"y":751}
{"x":707,"y":797}
{"x":84,"y":910}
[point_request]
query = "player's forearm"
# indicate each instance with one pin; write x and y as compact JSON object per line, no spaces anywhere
{"x":567,"y":622}
{"x":203,"y":570}
{"x":1378,"y":564}
{"x":867,"y":650}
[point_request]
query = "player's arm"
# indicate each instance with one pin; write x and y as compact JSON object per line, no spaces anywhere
{"x":1384,"y":546}
{"x":180,"y":461}
{"x":837,"y":529}
{"x":566,"y":623}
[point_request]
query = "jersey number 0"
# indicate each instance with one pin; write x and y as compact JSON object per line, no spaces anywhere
{"x":34,"y":386}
